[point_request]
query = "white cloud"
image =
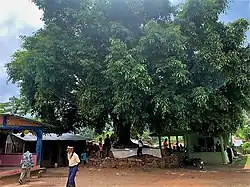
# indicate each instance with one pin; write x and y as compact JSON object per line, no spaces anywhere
{"x":24,"y":12}
{"x":177,"y":1}
{"x":2,"y":71}
{"x":4,"y":31}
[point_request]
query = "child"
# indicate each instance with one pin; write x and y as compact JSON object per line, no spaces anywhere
{"x":84,"y":158}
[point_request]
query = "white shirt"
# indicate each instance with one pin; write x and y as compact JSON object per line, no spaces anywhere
{"x":73,"y":160}
{"x":139,"y":143}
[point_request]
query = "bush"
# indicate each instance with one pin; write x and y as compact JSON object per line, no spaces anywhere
{"x":246,"y":147}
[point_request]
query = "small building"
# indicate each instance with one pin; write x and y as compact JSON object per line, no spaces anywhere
{"x":54,"y":146}
{"x":198,"y":146}
{"x":12,"y":123}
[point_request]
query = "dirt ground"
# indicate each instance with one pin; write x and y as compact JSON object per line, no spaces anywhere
{"x":138,"y":178}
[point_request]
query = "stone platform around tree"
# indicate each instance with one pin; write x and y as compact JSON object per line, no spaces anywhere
{"x":147,"y":161}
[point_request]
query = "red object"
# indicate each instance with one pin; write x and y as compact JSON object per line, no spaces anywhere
{"x":11,"y":160}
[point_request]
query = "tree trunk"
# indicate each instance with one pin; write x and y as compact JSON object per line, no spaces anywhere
{"x":123,"y":132}
{"x":223,"y":155}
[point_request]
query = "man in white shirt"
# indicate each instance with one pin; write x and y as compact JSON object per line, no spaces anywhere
{"x":74,"y":162}
{"x":140,"y":146}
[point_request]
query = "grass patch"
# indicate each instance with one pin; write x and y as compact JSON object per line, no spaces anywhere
{"x":243,"y":161}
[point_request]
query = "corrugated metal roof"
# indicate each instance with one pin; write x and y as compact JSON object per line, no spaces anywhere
{"x":52,"y":137}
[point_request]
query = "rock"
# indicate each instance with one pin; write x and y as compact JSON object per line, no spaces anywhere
{"x":147,"y":169}
{"x":154,"y":164}
{"x":162,"y":164}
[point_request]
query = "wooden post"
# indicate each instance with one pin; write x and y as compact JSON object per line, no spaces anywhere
{"x":13,"y":144}
{"x":159,"y":139}
{"x":24,"y":143}
{"x":169,"y":142}
{"x":188,"y":146}
{"x":59,"y":154}
{"x":185,"y":140}
{"x":222,"y":150}
{"x":39,"y":141}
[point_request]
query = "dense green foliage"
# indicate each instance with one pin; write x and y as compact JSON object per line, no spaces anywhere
{"x":135,"y":63}
{"x":245,"y":148}
{"x":244,"y":130}
{"x":14,"y":106}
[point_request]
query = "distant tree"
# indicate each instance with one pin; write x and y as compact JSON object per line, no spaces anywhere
{"x":15,"y":106}
{"x":5,"y":107}
{"x":244,"y":130}
{"x":87,"y":132}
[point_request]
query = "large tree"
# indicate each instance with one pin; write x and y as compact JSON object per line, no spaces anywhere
{"x":139,"y":63}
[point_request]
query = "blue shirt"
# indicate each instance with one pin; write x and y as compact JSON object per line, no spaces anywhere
{"x":84,"y":156}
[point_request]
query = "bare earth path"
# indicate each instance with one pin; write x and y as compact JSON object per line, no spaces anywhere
{"x":131,"y":178}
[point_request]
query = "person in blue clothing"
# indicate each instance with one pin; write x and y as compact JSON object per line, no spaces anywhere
{"x":84,"y":158}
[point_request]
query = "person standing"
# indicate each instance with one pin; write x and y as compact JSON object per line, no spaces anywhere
{"x":140,"y":146}
{"x":100,"y":147}
{"x":74,"y":162}
{"x":84,"y":158}
{"x":107,"y":145}
{"x":229,"y":154}
{"x":26,"y":164}
{"x":165,"y":146}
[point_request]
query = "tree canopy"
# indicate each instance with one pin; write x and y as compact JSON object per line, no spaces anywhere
{"x":135,"y":63}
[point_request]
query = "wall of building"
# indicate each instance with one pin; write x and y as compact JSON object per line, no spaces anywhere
{"x":55,"y":152}
{"x":13,"y":159}
{"x":208,"y":157}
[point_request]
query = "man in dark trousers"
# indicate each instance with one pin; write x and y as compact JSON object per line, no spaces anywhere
{"x":140,"y":146}
{"x":107,"y":145}
{"x":230,"y":155}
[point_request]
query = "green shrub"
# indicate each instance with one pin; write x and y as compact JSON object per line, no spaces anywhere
{"x":246,"y":147}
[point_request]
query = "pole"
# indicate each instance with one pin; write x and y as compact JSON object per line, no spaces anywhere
{"x":188,"y":147}
{"x":39,"y":135}
{"x":24,"y":146}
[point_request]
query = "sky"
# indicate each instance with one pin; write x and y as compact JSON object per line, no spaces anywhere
{"x":22,"y":17}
